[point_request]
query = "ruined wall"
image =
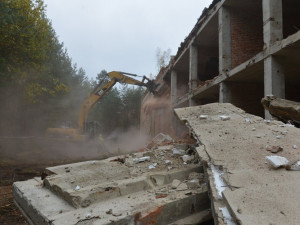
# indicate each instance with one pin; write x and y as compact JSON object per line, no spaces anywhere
{"x":156,"y":113}
{"x":291,"y":18}
{"x":240,"y":24}
{"x":249,"y":102}
{"x":246,"y":34}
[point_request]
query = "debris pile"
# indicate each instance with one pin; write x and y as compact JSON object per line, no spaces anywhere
{"x":166,"y":181}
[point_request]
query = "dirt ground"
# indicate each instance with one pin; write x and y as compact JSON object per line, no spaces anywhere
{"x":9,"y":173}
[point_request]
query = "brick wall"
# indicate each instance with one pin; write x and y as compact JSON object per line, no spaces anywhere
{"x":291,"y":17}
{"x":249,"y":100}
{"x":246,"y":34}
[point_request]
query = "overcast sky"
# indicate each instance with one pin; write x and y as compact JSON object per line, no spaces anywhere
{"x":122,"y":34}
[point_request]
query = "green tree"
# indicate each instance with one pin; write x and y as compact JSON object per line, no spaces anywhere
{"x":108,"y":111}
{"x":131,"y":99}
{"x":37,"y":78}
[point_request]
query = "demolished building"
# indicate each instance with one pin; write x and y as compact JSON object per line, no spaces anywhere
{"x":238,"y":52}
{"x":241,"y":169}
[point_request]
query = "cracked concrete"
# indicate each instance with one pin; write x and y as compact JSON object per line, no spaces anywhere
{"x":118,"y":191}
{"x":255,"y":192}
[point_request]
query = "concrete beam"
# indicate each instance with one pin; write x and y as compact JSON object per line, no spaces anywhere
{"x":225,"y":92}
{"x":193,"y":68}
{"x":274,"y":80}
{"x":272,"y":20}
{"x":173,"y":86}
{"x":224,"y":39}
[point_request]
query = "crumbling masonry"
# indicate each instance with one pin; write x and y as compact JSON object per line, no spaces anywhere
{"x":238,"y":52}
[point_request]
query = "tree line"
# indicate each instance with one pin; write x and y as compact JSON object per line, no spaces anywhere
{"x":40,"y":87}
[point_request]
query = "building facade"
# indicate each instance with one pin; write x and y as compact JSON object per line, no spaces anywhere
{"x":238,"y":52}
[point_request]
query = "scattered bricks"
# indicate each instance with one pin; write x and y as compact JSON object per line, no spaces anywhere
{"x":150,"y":218}
{"x":274,"y":149}
{"x":161,"y":196}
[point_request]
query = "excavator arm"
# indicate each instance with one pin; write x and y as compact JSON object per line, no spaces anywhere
{"x":102,"y":89}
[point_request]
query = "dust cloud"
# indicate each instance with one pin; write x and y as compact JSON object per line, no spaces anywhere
{"x":154,"y":103}
{"x":162,"y":117}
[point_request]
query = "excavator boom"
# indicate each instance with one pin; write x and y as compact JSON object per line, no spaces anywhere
{"x":102,"y":89}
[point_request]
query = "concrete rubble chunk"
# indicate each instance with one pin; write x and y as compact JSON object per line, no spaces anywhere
{"x":142,"y":159}
{"x":224,"y":118}
{"x":277,"y":161}
{"x":178,"y":152}
{"x":158,"y":140}
{"x":182,"y":187}
{"x":168,"y":162}
{"x":183,"y":147}
{"x":192,"y":184}
{"x":187,"y":158}
{"x":294,"y":167}
{"x":281,"y":108}
{"x":77,"y":188}
{"x":164,"y":147}
{"x":203,"y":117}
{"x":175,"y":183}
{"x":274,"y":149}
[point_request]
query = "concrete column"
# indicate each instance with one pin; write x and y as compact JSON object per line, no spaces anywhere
{"x":272,"y":20}
{"x":192,"y":102}
{"x":274,"y":80}
{"x":193,"y":68}
{"x":225,"y":92}
{"x":193,"y":73}
{"x":224,"y":39}
{"x":173,"y":86}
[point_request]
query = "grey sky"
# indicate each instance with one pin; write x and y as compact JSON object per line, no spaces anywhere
{"x":122,"y":34}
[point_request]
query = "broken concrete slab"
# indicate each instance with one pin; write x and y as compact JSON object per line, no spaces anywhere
{"x":281,"y":108}
{"x":254,"y":192}
{"x":111,"y":192}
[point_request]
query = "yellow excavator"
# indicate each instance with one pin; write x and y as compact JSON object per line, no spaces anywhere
{"x":87,"y":129}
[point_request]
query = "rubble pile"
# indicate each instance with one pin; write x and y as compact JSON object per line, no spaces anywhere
{"x":164,"y":184}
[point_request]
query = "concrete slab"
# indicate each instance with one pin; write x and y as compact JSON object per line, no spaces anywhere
{"x":116,"y":191}
{"x":255,"y":193}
